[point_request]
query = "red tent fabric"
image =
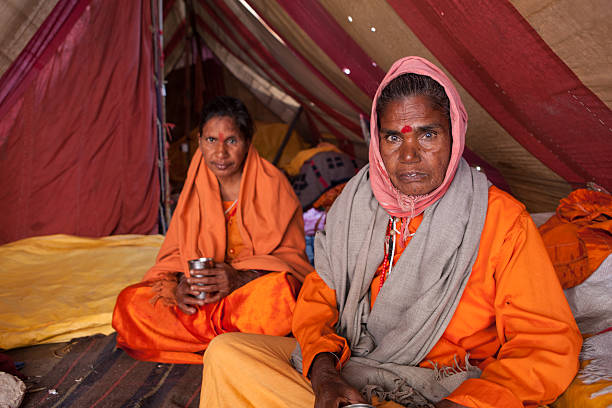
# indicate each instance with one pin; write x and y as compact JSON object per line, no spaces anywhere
{"x":77,"y":140}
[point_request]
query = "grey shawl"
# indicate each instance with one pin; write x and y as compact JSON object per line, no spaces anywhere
{"x":418,"y":298}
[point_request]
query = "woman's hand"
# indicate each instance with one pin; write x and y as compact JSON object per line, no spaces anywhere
{"x":185,"y":296}
{"x":217,"y":283}
{"x":220,"y":281}
{"x":330,"y":389}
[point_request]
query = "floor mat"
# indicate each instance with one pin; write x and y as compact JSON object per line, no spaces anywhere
{"x":91,"y":372}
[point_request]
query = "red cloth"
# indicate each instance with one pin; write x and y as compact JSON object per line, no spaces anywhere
{"x":78,"y":148}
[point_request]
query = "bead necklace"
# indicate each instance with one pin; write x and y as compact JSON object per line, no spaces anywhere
{"x":389,"y":249}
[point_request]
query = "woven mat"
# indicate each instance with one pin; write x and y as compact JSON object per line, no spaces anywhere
{"x":91,"y":372}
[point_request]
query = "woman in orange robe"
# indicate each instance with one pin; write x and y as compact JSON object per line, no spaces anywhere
{"x":240,"y":210}
{"x":432,"y":287}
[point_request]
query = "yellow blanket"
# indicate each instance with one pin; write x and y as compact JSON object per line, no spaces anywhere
{"x":578,"y":394}
{"x":58,"y":287}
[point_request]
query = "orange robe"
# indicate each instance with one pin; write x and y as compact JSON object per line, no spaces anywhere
{"x":579,"y":236}
{"x":512,"y":319}
{"x":265,"y":232}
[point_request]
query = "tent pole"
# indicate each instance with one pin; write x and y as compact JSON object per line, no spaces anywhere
{"x":287,"y":136}
{"x":160,"y":98}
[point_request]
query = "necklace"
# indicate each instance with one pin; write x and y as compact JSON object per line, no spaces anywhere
{"x":231,"y":206}
{"x":390,"y":237}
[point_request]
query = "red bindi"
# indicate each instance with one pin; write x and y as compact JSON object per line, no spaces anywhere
{"x":406,"y":129}
{"x":221,"y":137}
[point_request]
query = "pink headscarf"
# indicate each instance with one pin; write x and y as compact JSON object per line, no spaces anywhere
{"x":390,"y":198}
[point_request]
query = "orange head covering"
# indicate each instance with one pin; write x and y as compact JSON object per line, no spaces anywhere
{"x":390,"y":198}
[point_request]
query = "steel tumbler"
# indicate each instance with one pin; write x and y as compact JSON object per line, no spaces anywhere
{"x":358,"y":405}
{"x":200,"y":264}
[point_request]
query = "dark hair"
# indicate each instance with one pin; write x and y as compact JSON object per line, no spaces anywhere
{"x":412,"y":85}
{"x":233,"y":108}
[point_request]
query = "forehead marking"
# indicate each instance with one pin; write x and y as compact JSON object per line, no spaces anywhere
{"x":407,"y":129}
{"x":221,"y":136}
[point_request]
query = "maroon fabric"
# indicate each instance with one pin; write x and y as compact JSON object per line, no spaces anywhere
{"x":343,"y":141}
{"x":78,"y":148}
{"x":520,"y":81}
{"x":335,"y":42}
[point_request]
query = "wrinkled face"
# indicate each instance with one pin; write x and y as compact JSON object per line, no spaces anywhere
{"x":415,"y":144}
{"x":223,"y":147}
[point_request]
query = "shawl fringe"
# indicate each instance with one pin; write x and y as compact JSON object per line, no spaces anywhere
{"x":597,"y":349}
{"x":403,"y":394}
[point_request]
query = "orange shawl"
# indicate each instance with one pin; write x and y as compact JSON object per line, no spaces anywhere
{"x":579,"y":236}
{"x":269,"y":217}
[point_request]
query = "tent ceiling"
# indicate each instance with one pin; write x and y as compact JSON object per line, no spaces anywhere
{"x":330,"y":64}
{"x":320,"y":40}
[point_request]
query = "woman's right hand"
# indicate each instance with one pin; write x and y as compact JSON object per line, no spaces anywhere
{"x":185,"y":297}
{"x":330,"y":389}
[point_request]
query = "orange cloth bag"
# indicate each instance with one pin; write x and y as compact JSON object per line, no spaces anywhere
{"x":579,"y":236}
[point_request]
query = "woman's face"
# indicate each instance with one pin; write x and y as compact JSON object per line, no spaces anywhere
{"x":223,"y":147}
{"x":415,"y":144}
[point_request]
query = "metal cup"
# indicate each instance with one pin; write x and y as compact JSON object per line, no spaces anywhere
{"x":200,"y":264}
{"x":359,"y":406}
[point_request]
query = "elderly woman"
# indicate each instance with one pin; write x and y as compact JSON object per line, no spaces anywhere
{"x":432,"y":287}
{"x":240,"y":210}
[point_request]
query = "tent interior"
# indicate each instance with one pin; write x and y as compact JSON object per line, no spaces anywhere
{"x":99,"y":107}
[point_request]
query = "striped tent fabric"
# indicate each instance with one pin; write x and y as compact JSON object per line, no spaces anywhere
{"x":534,"y":75}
